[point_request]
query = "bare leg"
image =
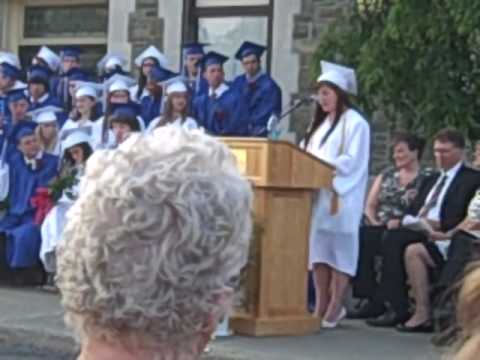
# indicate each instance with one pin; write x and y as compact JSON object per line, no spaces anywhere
{"x":417,"y":262}
{"x":322,"y":279}
{"x":339,"y":287}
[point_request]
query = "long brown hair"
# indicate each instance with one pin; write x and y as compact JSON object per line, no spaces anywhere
{"x":319,"y":117}
{"x":167,"y":116}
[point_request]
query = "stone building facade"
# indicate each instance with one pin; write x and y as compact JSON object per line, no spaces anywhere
{"x":291,"y":29}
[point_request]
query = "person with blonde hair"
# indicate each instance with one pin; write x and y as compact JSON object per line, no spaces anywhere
{"x":152,"y":246}
{"x":47,"y":131}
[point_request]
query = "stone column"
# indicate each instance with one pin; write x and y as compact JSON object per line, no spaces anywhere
{"x":145,"y":27}
{"x":3,"y":23}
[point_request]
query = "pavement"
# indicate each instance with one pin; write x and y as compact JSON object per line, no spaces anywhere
{"x":31,"y":327}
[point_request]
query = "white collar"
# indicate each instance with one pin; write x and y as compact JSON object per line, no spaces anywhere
{"x":42,"y":99}
{"x":219,"y":90}
{"x":453,"y":171}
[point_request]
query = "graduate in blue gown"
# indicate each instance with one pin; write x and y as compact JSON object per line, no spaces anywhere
{"x":38,"y":77}
{"x":217,"y":110}
{"x":259,"y":93}
{"x":151,"y":104}
{"x":9,"y":75}
{"x":70,"y":66}
{"x":29,"y":170}
{"x":193,"y":53}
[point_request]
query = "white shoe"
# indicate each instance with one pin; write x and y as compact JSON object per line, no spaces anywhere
{"x":333,"y":324}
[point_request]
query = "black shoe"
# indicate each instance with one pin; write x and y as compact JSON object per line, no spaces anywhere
{"x":425,"y":327}
{"x":369,"y":310}
{"x":389,"y":319}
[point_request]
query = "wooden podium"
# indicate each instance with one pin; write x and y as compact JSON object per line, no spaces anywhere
{"x":285,"y":179}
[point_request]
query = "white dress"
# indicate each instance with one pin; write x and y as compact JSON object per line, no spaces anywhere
{"x":334,"y":239}
{"x":52,"y":227}
{"x":188,"y":124}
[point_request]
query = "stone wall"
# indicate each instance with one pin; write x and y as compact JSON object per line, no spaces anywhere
{"x":145,"y":26}
{"x":309,"y":24}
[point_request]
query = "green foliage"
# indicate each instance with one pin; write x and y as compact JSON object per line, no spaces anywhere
{"x":417,"y":61}
{"x":61,"y":184}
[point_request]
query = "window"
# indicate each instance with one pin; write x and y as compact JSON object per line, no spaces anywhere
{"x":56,"y":23}
{"x":225,"y":24}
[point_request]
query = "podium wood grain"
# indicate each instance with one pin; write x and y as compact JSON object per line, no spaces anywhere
{"x":285,"y":179}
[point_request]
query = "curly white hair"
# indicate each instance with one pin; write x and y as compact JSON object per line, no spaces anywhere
{"x":161,"y":226}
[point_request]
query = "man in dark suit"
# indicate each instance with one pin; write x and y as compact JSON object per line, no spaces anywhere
{"x":442,"y":202}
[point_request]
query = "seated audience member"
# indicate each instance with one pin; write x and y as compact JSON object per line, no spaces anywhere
{"x":425,"y":260}
{"x":159,"y":232}
{"x":441,"y":204}
{"x":176,"y":109}
{"x":30,"y":169}
{"x":390,"y":196}
{"x":76,"y":151}
{"x":124,"y":120}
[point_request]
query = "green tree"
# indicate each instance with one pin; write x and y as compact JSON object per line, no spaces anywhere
{"x":417,"y":61}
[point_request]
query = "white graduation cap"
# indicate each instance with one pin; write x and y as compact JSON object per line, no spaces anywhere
{"x":51,"y":58}
{"x":18,"y":85}
{"x":76,"y":138}
{"x":10,"y":58}
{"x":45,"y":114}
{"x":152,"y":52}
{"x":110,"y":61}
{"x":118,"y":82}
{"x":342,"y":76}
{"x":85,"y":88}
{"x":177,"y":86}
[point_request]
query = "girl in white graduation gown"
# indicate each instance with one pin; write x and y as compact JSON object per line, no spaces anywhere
{"x":76,"y":150}
{"x":85,"y":114}
{"x":47,"y":132}
{"x":176,"y":109}
{"x":340,"y":136}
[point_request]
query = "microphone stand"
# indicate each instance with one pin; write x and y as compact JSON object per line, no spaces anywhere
{"x":273,"y":133}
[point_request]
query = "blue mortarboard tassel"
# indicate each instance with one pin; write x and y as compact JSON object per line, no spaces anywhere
{"x":39,"y":74}
{"x":10,"y":71}
{"x":16,"y":95}
{"x":213,"y":58}
{"x":249,"y":48}
{"x":71,"y":51}
{"x":160,"y":74}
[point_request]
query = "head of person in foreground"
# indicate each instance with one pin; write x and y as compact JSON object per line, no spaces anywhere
{"x":160,"y":229}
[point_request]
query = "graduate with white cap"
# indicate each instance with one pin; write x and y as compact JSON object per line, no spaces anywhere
{"x":111,"y":64}
{"x":47,"y":57}
{"x":259,"y":93}
{"x":86,"y":113}
{"x":47,"y":131}
{"x":76,"y":149}
{"x":176,"y":111}
{"x":151,"y":57}
{"x":339,"y":135}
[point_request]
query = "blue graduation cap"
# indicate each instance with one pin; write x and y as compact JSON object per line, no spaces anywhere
{"x":70,"y":51}
{"x":193,"y":48}
{"x":22,"y":129}
{"x":130,"y":109}
{"x":249,"y":48}
{"x":77,"y":74}
{"x":16,"y":95}
{"x":10,"y":71}
{"x":160,"y":74}
{"x":39,"y":74}
{"x":212,"y":58}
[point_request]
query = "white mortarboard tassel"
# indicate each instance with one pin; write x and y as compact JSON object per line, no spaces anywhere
{"x":152,"y":52}
{"x":10,"y":58}
{"x":45,"y":115}
{"x":75,"y":138}
{"x":84,"y":88}
{"x":342,"y":76}
{"x":177,"y":86}
{"x":110,"y":61}
{"x":53,"y":60}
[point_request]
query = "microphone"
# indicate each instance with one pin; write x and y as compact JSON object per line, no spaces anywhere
{"x":309,"y":99}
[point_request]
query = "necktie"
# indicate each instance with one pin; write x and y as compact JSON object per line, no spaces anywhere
{"x":213,"y":96}
{"x":434,"y":198}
